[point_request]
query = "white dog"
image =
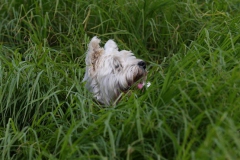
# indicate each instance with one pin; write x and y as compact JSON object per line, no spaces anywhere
{"x":110,"y":72}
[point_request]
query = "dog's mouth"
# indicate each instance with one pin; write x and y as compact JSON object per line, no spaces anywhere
{"x":140,"y":85}
{"x":139,"y":80}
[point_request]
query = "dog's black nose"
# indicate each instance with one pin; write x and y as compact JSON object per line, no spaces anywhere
{"x":142,"y":64}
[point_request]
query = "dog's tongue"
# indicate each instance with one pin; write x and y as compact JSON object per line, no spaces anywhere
{"x":140,"y":85}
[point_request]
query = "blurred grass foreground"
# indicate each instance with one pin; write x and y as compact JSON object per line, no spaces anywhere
{"x":191,"y":110}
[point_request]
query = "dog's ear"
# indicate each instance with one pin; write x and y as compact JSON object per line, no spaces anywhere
{"x":110,"y":47}
{"x":93,"y":54}
{"x":94,"y":51}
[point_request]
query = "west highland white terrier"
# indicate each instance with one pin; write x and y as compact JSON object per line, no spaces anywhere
{"x":110,"y":72}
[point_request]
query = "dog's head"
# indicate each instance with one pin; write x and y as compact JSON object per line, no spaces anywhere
{"x":109,"y":72}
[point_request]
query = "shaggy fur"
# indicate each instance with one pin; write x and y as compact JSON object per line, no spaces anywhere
{"x":110,"y":72}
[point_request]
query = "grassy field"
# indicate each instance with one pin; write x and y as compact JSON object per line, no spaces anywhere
{"x":191,"y":110}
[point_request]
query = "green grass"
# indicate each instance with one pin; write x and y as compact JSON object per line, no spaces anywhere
{"x":191,"y":110}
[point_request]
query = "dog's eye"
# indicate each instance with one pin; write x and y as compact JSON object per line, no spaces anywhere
{"x":117,"y":64}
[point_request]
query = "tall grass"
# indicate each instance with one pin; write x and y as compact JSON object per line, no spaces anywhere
{"x":191,"y":110}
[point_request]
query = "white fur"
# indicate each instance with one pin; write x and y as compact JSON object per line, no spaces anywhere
{"x":110,"y":72}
